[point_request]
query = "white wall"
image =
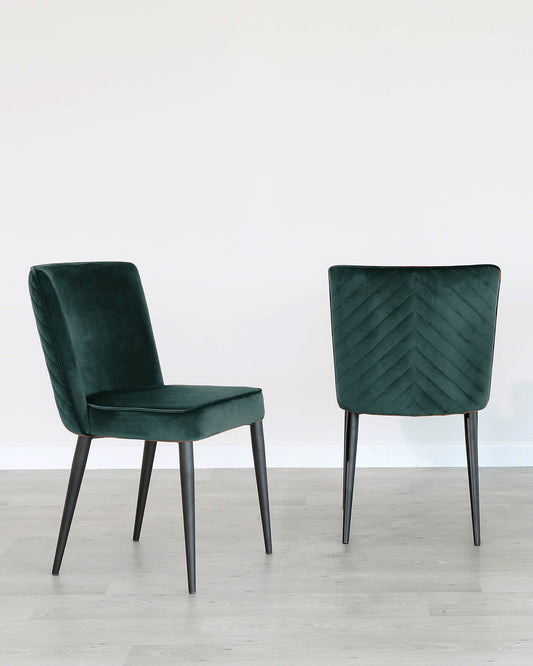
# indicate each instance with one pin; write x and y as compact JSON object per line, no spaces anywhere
{"x":234,"y":150}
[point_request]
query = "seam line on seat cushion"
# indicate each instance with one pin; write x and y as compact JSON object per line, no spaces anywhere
{"x":167,"y":410}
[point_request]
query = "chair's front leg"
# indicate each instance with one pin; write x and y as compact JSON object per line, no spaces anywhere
{"x":258,"y":448}
{"x":76,"y":476}
{"x":351,"y":424}
{"x":471,"y":439}
{"x":187,"y":501}
{"x":144,"y":483}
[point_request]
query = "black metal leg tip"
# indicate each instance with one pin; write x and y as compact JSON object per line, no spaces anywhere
{"x":55,"y":573}
{"x":345,"y":540}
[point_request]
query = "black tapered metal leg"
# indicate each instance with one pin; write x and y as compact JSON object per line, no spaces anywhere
{"x":76,"y":475}
{"x":187,"y":501}
{"x":344,"y":472}
{"x":471,"y":438}
{"x":351,"y":425}
{"x":144,"y":483}
{"x":258,"y":448}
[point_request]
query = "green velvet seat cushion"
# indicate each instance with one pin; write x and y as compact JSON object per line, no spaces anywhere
{"x":173,"y":413}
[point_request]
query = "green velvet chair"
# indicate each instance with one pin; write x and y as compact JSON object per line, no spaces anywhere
{"x":413,"y":341}
{"x":101,"y":355}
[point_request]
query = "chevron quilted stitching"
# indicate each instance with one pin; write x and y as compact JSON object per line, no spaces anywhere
{"x":459,"y":345}
{"x":440,"y":380}
{"x":57,"y":374}
{"x":462,"y":309}
{"x":462,"y":372}
{"x":387,"y":320}
{"x":391,"y":311}
{"x":368,"y":372}
{"x":369,"y":301}
{"x":413,"y":341}
{"x":480,"y":293}
{"x":378,"y":348}
{"x":444,"y":329}
{"x":393,"y":375}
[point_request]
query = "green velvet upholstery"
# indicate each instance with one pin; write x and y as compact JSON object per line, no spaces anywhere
{"x":413,"y":341}
{"x":100,"y":351}
{"x":173,"y":413}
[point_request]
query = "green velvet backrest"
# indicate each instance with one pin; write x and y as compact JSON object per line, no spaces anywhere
{"x":413,"y":341}
{"x":95,"y":331}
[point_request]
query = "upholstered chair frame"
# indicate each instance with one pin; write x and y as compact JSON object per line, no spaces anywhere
{"x":100,"y":352}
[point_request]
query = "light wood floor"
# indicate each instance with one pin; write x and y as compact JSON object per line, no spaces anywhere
{"x":410,"y":588}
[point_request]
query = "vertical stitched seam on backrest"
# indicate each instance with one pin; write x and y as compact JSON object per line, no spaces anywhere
{"x":414,"y":285}
{"x":332,"y":333}
{"x":494,"y":334}
{"x":55,"y":346}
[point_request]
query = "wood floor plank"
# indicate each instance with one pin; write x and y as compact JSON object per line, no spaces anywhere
{"x":409,"y":588}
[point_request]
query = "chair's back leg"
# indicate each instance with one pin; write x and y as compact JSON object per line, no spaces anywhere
{"x":76,"y":475}
{"x":471,"y":438}
{"x":258,"y":449}
{"x":351,"y":426}
{"x":144,"y":483}
{"x":187,"y":501}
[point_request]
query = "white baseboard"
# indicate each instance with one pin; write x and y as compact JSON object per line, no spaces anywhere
{"x":113,"y":454}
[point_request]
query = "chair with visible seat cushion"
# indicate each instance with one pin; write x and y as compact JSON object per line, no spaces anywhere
{"x":100,"y":352}
{"x":413,"y":341}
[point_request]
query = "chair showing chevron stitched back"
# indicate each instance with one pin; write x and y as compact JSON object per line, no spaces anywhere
{"x":413,"y":341}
